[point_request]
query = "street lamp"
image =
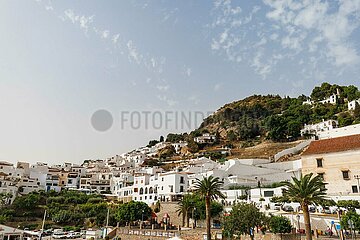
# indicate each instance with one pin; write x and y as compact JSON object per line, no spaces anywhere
{"x":259,"y":185}
{"x":298,"y":221}
{"x":142,"y":218}
{"x":194,"y":221}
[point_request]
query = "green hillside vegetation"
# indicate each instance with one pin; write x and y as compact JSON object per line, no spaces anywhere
{"x":69,"y":209}
{"x":278,"y":119}
{"x":265,"y":121}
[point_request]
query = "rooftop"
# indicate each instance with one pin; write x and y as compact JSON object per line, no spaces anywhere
{"x":339,"y":144}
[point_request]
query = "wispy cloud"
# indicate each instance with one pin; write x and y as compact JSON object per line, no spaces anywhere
{"x":285,"y":30}
{"x":154,"y":65}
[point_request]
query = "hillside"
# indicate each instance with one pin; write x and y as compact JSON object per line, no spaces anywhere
{"x":259,"y":126}
{"x":280,"y":119}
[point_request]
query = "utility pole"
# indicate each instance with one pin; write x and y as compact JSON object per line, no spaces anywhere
{"x":42,"y":226}
{"x":107,"y":222}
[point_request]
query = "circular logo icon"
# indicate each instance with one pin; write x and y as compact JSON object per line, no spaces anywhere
{"x":102,"y":120}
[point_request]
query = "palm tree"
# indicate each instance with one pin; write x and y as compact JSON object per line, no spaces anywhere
{"x":306,"y":190}
{"x":209,"y":189}
{"x":185,"y":206}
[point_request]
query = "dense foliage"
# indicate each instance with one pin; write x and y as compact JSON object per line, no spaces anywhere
{"x":349,"y":204}
{"x":64,"y":208}
{"x":280,"y":224}
{"x":193,"y":206}
{"x":354,"y":217}
{"x":280,"y":118}
{"x":250,"y":216}
{"x":132,"y":211}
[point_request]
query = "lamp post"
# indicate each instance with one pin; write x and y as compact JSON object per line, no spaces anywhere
{"x":298,"y":222}
{"x":193,"y":217}
{"x":259,"y":185}
{"x":142,"y":219}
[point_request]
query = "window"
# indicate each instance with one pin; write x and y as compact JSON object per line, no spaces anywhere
{"x":268,"y":193}
{"x":354,"y":189}
{"x":181,"y":188}
{"x":181,"y":179}
{"x":321,"y":175}
{"x":162,"y":179}
{"x":346,"y":175}
{"x":171,"y":188}
{"x":319,"y":162}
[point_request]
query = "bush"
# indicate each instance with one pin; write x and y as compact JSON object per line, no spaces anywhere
{"x":280,"y":224}
{"x":94,"y":200}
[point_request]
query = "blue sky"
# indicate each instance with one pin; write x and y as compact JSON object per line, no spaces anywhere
{"x":61,"y":61}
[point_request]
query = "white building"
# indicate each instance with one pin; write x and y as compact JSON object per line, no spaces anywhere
{"x":172,"y":185}
{"x":315,"y":129}
{"x":339,"y":132}
{"x":27,"y":185}
{"x":7,"y":185}
{"x":145,"y":188}
{"x":336,"y":160}
{"x":332,"y":99}
{"x":178,"y":146}
{"x":352,"y":104}
{"x":205,"y":138}
{"x":308,"y":102}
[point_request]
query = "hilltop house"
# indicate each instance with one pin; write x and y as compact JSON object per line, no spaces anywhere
{"x":352,"y":104}
{"x":205,"y":138}
{"x":315,"y":129}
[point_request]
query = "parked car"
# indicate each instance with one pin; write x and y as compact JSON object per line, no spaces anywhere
{"x":275,"y":206}
{"x":59,"y":234}
{"x":312,"y":209}
{"x":73,"y":234}
{"x":288,"y":208}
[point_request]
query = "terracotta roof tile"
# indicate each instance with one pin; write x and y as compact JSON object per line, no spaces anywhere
{"x":331,"y":145}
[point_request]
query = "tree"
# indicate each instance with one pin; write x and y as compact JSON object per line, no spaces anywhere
{"x":306,"y":190}
{"x":173,"y":137}
{"x":161,"y":139}
{"x":209,"y":189}
{"x":152,"y":143}
{"x":354,"y":217}
{"x":243,"y":219}
{"x":231,"y":136}
{"x":132,"y":211}
{"x":186,"y":204}
{"x":5,"y":198}
{"x":27,"y":202}
{"x":157,"y":207}
{"x":215,"y":208}
{"x":349,"y":204}
{"x":276,"y":126}
{"x":192,"y":146}
{"x":280,"y":224}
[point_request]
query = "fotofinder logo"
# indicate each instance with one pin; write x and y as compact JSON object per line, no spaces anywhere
{"x":102,"y":120}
